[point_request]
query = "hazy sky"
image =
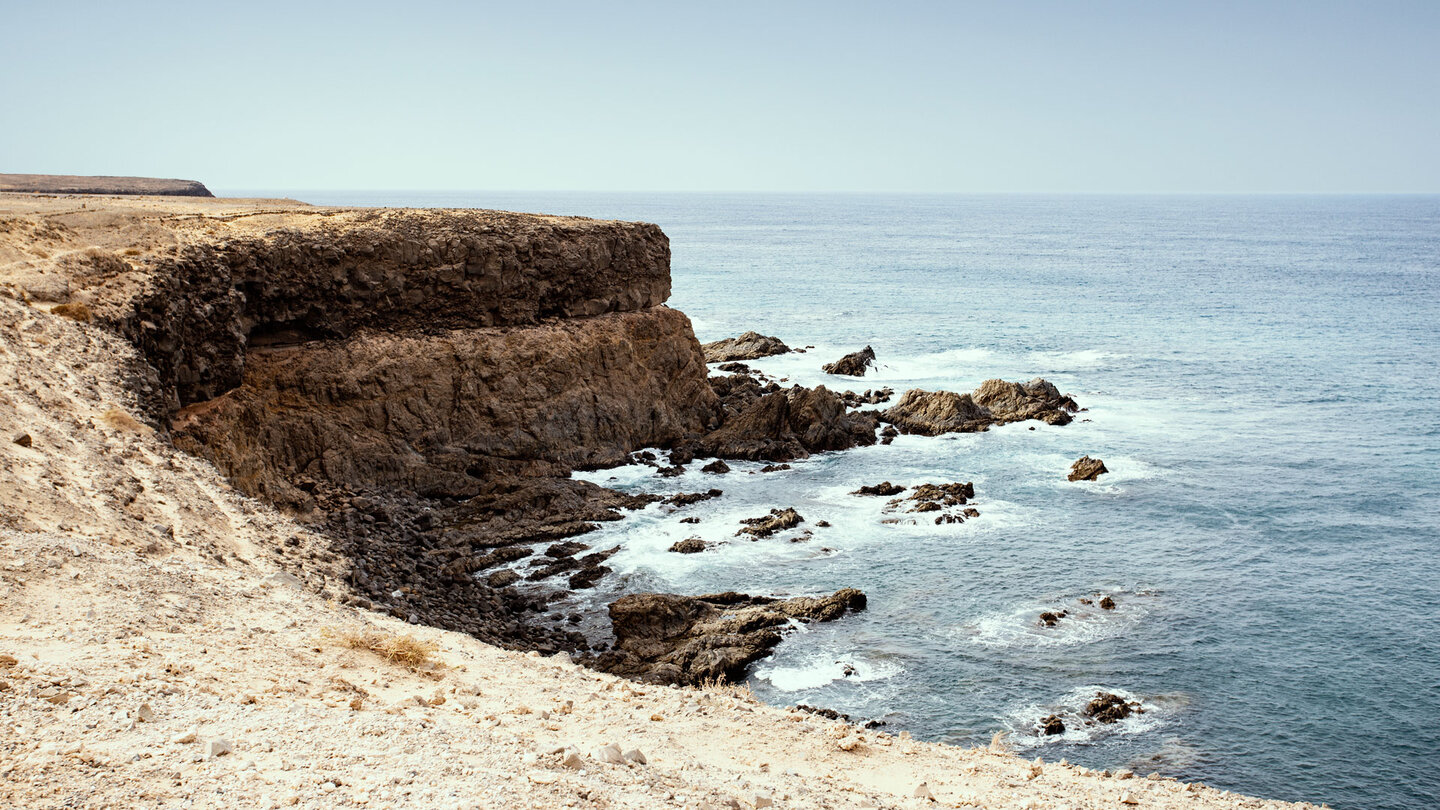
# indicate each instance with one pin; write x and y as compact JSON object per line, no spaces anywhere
{"x":771,"y":96}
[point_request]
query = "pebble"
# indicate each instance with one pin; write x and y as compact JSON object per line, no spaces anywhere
{"x":145,"y":713}
{"x":218,"y":747}
{"x":186,"y":736}
{"x":609,"y":753}
{"x":922,"y":791}
{"x":634,"y":755}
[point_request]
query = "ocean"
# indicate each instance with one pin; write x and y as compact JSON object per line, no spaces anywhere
{"x":1262,"y":378}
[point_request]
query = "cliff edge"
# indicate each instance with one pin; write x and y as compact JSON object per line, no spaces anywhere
{"x":101,"y":184}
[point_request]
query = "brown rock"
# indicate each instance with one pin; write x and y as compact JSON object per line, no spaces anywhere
{"x":716,"y":467}
{"x":24,"y":440}
{"x":778,"y":520}
{"x":1052,"y":725}
{"x":78,"y":184}
{"x":1107,"y":603}
{"x":1016,"y":402}
{"x":995,"y":402}
{"x":749,"y":346}
{"x":789,"y":424}
{"x":666,"y":638}
{"x":1087,"y":469}
{"x":690,"y":545}
{"x":1111,"y":708}
{"x":853,"y":364}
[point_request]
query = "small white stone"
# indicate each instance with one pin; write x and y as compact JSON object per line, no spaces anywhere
{"x":922,"y":791}
{"x":609,"y":753}
{"x":218,"y":747}
{"x":145,"y":713}
{"x":185,"y":737}
{"x":634,"y":755}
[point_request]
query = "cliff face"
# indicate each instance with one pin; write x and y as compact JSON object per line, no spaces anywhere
{"x":78,"y":184}
{"x":443,"y":414}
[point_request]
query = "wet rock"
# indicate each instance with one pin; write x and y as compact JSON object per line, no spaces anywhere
{"x":716,"y":467}
{"x":888,"y":434}
{"x":680,"y":456}
{"x":690,"y":545}
{"x":822,"y":524}
{"x":687,"y":498}
{"x":734,"y":368}
{"x":502,"y":579}
{"x":778,"y":520}
{"x":853,"y":364}
{"x":690,"y":520}
{"x":1050,"y":619}
{"x":1087,"y":469}
{"x":1052,"y":725}
{"x":769,"y":468}
{"x":884,"y":488}
{"x":667,"y":638}
{"x":1108,"y":707}
{"x":670,"y":472}
{"x":568,"y":548}
{"x":1107,"y":603}
{"x":748,"y":346}
{"x":587,"y":577}
{"x":854,"y":400}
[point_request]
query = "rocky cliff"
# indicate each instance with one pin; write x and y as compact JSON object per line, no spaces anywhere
{"x":77,"y":184}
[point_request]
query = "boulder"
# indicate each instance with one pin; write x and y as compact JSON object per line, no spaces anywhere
{"x":853,"y":364}
{"x":1087,"y":469}
{"x":1107,"y":603}
{"x":668,"y":638}
{"x":931,"y":413}
{"x":716,"y":467}
{"x":777,"y":521}
{"x":995,"y":402}
{"x":788,"y":424}
{"x":1052,"y":725}
{"x":1107,"y":707}
{"x":749,"y":346}
{"x":1016,"y":402}
{"x":690,"y":545}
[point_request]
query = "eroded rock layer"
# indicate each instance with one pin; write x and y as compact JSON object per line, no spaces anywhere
{"x":442,"y":414}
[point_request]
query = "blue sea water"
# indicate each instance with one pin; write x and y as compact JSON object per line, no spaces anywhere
{"x":1262,"y":377}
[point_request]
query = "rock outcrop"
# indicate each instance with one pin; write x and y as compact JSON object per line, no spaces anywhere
{"x":1086,"y":468}
{"x":853,"y":364}
{"x":749,"y":346}
{"x":101,"y":184}
{"x":995,"y":402}
{"x":666,"y":638}
{"x":788,"y":424}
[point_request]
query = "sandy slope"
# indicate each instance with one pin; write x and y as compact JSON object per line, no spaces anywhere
{"x":146,"y":613}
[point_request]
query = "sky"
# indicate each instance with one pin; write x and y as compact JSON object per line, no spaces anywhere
{"x":1017,"y":97}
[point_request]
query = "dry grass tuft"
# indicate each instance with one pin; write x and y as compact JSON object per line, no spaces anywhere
{"x":121,"y":420}
{"x":398,"y":648}
{"x":75,"y":311}
{"x":719,"y":686}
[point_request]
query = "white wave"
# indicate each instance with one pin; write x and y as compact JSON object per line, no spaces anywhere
{"x":1083,"y":624}
{"x":813,"y":669}
{"x":1022,"y":723}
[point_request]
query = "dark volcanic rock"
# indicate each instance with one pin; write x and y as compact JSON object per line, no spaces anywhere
{"x":690,"y":545}
{"x":1111,"y":708}
{"x":789,"y":424}
{"x":716,"y":467}
{"x":1052,"y":725}
{"x":884,"y":488}
{"x":770,"y":468}
{"x":777,"y":521}
{"x":687,"y":498}
{"x":853,"y":364}
{"x":749,"y":346}
{"x":1087,"y":469}
{"x":666,"y":638}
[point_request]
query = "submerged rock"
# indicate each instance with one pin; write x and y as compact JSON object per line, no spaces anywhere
{"x":667,"y":638}
{"x":749,"y":346}
{"x":879,"y":395}
{"x":1107,"y":603}
{"x":1087,"y":469}
{"x":687,"y":498}
{"x":853,"y":364}
{"x":884,"y":488}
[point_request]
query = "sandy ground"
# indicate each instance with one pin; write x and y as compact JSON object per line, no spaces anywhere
{"x":166,"y":642}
